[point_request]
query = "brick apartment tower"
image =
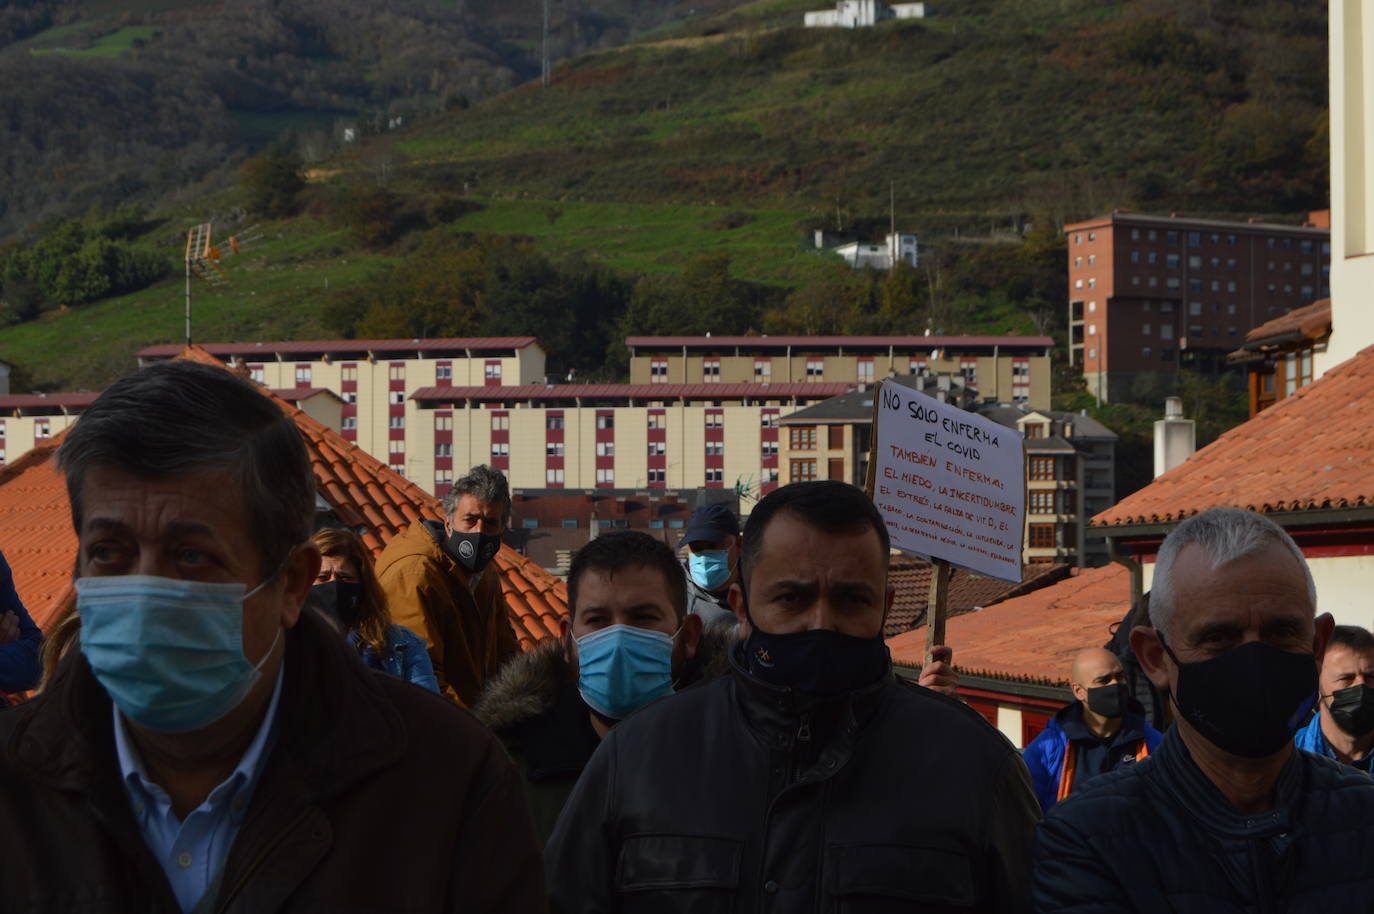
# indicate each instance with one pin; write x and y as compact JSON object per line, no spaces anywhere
{"x":1151,"y":294}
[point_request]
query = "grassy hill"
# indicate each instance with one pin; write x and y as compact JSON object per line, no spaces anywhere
{"x":738,"y":134}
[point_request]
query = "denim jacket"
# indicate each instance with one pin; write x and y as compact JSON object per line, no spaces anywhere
{"x":406,"y":657}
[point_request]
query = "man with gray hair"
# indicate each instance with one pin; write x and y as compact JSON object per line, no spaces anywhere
{"x":438,"y":584}
{"x":1227,"y":815}
{"x":211,"y":746}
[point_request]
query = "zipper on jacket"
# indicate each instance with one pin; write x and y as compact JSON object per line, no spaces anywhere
{"x":804,"y":730}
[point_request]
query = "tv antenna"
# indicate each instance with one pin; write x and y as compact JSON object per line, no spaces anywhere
{"x":202,"y":260}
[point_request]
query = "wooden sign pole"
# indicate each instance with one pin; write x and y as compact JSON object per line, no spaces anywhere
{"x":937,"y":605}
{"x":870,"y":476}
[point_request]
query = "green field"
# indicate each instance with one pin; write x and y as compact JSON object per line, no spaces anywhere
{"x":109,"y":46}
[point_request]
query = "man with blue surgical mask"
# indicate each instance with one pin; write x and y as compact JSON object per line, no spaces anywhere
{"x":210,"y":746}
{"x":628,"y":642}
{"x":712,"y":541}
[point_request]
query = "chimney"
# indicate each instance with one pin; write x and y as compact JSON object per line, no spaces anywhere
{"x":1175,"y":437}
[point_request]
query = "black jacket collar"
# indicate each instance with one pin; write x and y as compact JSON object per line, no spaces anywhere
{"x":1205,"y":803}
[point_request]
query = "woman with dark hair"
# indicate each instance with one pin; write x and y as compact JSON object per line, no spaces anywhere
{"x":346,"y":592}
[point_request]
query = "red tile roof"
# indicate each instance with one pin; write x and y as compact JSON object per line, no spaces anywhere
{"x":36,"y":534}
{"x":828,"y":342}
{"x":304,"y":347}
{"x":1031,"y":638}
{"x":1309,"y":451}
{"x":637,"y":391}
{"x":967,"y":590}
{"x":1311,"y":321}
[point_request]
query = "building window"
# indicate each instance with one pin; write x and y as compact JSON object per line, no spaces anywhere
{"x":397,"y":446}
{"x":397,"y":372}
{"x":710,"y":371}
{"x":446,"y":450}
{"x":1041,"y":536}
{"x":1166,"y":331}
{"x":969,"y":369}
{"x":1146,"y":352}
{"x":715,"y":419}
{"x":605,"y":477}
{"x":397,"y":422}
{"x":802,"y":437}
{"x":658,"y":476}
{"x":1033,"y":430}
{"x":605,"y":449}
{"x":1092,"y":260}
{"x":658,"y":448}
{"x":569,"y":523}
{"x":769,"y":449}
{"x":605,"y":420}
{"x":657,"y":420}
{"x":257,"y":374}
{"x":658,"y":371}
{"x":815,"y":369}
{"x":1171,"y":262}
{"x":715,"y":448}
{"x":865,"y":371}
{"x":769,"y":419}
{"x":1041,"y":468}
{"x":492,"y":371}
{"x":763,"y":369}
{"x":398,"y":468}
{"x":803,"y":470}
{"x":350,"y":422}
{"x":500,"y":422}
{"x":553,"y":449}
{"x":553,"y":477}
{"x":498,"y":449}
{"x":396,"y":397}
{"x":443,"y":372}
{"x":917,"y":367}
{"x":443,"y":477}
{"x":553,"y":422}
{"x":302,"y":374}
{"x":835,"y":436}
{"x":715,"y":474}
{"x":1041,"y":502}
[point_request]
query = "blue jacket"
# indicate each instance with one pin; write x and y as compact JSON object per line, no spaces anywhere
{"x":406,"y":657}
{"x":1046,"y":754}
{"x":1313,"y":740}
{"x":21,"y":665}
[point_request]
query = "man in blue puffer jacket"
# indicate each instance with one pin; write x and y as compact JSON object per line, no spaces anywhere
{"x":21,"y":641}
{"x":1099,"y":732}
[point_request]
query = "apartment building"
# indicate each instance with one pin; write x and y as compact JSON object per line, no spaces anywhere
{"x":374,"y":380}
{"x":1013,"y":369}
{"x":608,"y":436}
{"x":1158,"y":294}
{"x":1070,"y":477}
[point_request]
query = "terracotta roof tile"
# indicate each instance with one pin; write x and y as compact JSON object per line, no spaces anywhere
{"x":1031,"y":638}
{"x":967,"y":590}
{"x":37,"y":538}
{"x":1309,"y":451}
{"x":1312,"y":320}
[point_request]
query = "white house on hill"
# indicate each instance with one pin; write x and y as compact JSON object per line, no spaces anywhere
{"x":855,"y":14}
{"x":881,"y":255}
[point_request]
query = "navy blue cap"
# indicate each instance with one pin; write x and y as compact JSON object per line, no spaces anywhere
{"x":710,"y":524}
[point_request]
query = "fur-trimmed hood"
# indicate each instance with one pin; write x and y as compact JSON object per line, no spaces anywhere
{"x":528,"y":685}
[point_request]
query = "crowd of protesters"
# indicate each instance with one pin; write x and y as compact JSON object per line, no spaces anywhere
{"x":243,"y":715}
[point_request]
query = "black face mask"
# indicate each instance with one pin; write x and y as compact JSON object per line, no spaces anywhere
{"x":1248,"y":701}
{"x":473,"y":551}
{"x":340,"y":601}
{"x":819,"y":662}
{"x":1352,"y":709}
{"x":1108,"y":700}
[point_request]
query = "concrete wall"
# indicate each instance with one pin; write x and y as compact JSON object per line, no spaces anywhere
{"x":1352,"y":181}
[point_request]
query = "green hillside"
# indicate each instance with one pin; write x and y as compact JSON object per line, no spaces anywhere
{"x":672,"y":185}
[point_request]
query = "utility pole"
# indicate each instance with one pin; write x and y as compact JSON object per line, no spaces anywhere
{"x":892,"y":245}
{"x":544,"y":79}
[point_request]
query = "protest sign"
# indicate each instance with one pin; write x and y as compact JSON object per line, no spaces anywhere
{"x":949,"y":483}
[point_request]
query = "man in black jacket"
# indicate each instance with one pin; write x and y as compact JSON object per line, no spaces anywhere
{"x":847,"y":790}
{"x":1227,"y":816}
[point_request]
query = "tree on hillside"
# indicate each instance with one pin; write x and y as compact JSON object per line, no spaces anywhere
{"x":272,"y":180}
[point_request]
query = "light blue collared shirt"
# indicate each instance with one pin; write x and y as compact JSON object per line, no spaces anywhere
{"x":193,"y":851}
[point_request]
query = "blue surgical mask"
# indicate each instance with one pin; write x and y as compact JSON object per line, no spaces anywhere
{"x":622,"y":668}
{"x":710,"y":569}
{"x":168,"y":652}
